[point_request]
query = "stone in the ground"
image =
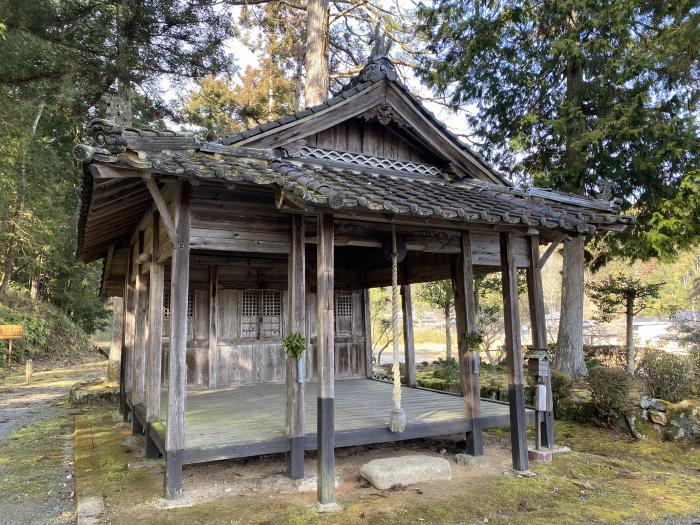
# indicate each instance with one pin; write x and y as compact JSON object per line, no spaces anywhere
{"x":90,"y":509}
{"x":406,"y":470}
{"x":471,"y":461}
{"x":541,"y":454}
{"x":560,"y":449}
{"x":645,"y":402}
{"x":658,"y":417}
{"x":658,"y":405}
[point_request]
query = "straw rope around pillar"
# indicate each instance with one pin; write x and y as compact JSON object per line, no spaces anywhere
{"x":397,"y":422}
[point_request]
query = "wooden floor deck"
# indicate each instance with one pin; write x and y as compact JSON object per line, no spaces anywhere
{"x":249,"y":420}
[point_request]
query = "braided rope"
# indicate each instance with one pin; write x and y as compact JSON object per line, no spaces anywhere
{"x":397,"y":423}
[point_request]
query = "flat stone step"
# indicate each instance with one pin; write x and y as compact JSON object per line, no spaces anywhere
{"x":405,"y":470}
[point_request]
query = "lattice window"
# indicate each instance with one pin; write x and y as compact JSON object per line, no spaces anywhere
{"x":167,"y":312}
{"x":250,"y":313}
{"x":343,"y":313}
{"x":271,"y":313}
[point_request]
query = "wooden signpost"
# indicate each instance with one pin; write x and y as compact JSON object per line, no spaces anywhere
{"x":11,"y":332}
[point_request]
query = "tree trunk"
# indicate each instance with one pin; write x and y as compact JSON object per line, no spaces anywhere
{"x":115,"y":347}
{"x":629,"y":314}
{"x":569,"y":354}
{"x":569,"y":358}
{"x":123,"y":69}
{"x":11,"y":253}
{"x":317,"y":73}
{"x":448,"y":335}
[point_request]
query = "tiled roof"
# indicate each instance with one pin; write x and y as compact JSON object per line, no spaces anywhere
{"x":342,"y":187}
{"x":378,"y":69}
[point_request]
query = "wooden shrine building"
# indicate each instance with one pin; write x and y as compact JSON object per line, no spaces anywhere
{"x":222,"y":248}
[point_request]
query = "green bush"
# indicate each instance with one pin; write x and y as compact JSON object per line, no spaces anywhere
{"x":448,"y":370}
{"x":562,"y":385}
{"x":610,"y":389}
{"x":667,"y":376}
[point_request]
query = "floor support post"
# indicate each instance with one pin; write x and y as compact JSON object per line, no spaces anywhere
{"x":296,"y":297}
{"x":129,"y":318}
{"x":138,"y":361}
{"x":177,"y":380}
{"x":514,"y":359}
{"x":465,"y":310}
{"x":325,"y":360}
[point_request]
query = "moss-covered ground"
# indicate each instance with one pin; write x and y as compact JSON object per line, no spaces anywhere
{"x":607,"y":479}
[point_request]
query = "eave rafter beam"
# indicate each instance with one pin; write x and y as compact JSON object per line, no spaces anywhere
{"x":162,"y":207}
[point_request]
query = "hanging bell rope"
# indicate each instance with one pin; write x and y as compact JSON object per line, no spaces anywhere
{"x":397,"y":422}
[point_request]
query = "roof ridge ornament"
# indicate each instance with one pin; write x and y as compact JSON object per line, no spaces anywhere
{"x":108,"y":135}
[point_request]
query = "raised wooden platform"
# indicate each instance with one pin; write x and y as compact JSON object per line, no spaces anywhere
{"x":249,"y":420}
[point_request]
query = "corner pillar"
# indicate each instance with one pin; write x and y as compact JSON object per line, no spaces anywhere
{"x":409,"y":347}
{"x":514,"y":359}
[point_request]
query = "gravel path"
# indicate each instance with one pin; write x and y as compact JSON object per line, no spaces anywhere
{"x":36,"y":440}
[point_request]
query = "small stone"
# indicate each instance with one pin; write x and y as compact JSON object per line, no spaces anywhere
{"x":658,"y":417}
{"x":658,"y":405}
{"x":560,"y":449}
{"x":542,"y":454}
{"x":406,"y":470}
{"x":471,"y":461}
{"x":181,"y":501}
{"x":645,"y":402}
{"x":584,"y":485}
{"x":325,"y":508}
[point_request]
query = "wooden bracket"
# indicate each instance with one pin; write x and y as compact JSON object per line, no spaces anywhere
{"x":550,"y":250}
{"x":162,"y":207}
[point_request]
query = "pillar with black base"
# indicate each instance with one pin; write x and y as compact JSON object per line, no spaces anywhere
{"x":325,"y":361}
{"x":177,"y":380}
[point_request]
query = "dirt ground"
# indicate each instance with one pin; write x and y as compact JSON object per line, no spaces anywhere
{"x":36,"y":444}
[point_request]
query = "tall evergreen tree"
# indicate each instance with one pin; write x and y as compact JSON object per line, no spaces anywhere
{"x":581,"y":95}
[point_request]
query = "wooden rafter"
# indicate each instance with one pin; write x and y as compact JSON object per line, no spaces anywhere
{"x":159,"y":201}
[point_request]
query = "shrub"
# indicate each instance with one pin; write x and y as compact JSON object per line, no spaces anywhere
{"x":562,"y":385}
{"x":610,"y":388}
{"x":667,"y":376}
{"x":448,"y":369}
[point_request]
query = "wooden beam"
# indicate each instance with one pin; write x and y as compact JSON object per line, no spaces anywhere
{"x":213,"y":346}
{"x":538,"y":322}
{"x":541,"y":261}
{"x":367,"y":319}
{"x":325,"y":360}
{"x":160,"y":203}
{"x":296,"y":297}
{"x":465,"y":310}
{"x":516,"y":395}
{"x":126,"y":338}
{"x":177,"y":380}
{"x":408,"y":343}
{"x":155,"y":340}
{"x":138,"y":361}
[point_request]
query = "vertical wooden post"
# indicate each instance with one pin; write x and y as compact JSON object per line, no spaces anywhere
{"x":139,"y":355}
{"x":296,"y":300}
{"x":177,"y":380}
{"x":154,"y":345}
{"x":28,"y":368}
{"x":325,"y":359}
{"x":409,"y":347}
{"x":128,"y":335}
{"x":516,"y":395}
{"x":213,"y":328}
{"x":538,"y":323}
{"x":367,"y":318}
{"x":115,"y":347}
{"x":465,"y":310}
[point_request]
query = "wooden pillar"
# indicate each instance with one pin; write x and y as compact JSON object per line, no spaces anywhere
{"x":465,"y":310}
{"x":409,"y":347}
{"x":538,"y":323}
{"x":296,"y":298}
{"x":177,"y":380}
{"x":213,"y":328}
{"x":367,"y":319}
{"x":124,"y":364}
{"x":129,"y":318}
{"x":139,"y":355}
{"x":325,"y":360}
{"x":115,"y":347}
{"x":154,"y":345}
{"x":516,"y":395}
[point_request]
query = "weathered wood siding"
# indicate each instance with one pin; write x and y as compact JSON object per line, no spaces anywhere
{"x":245,"y":360}
{"x":370,"y":138}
